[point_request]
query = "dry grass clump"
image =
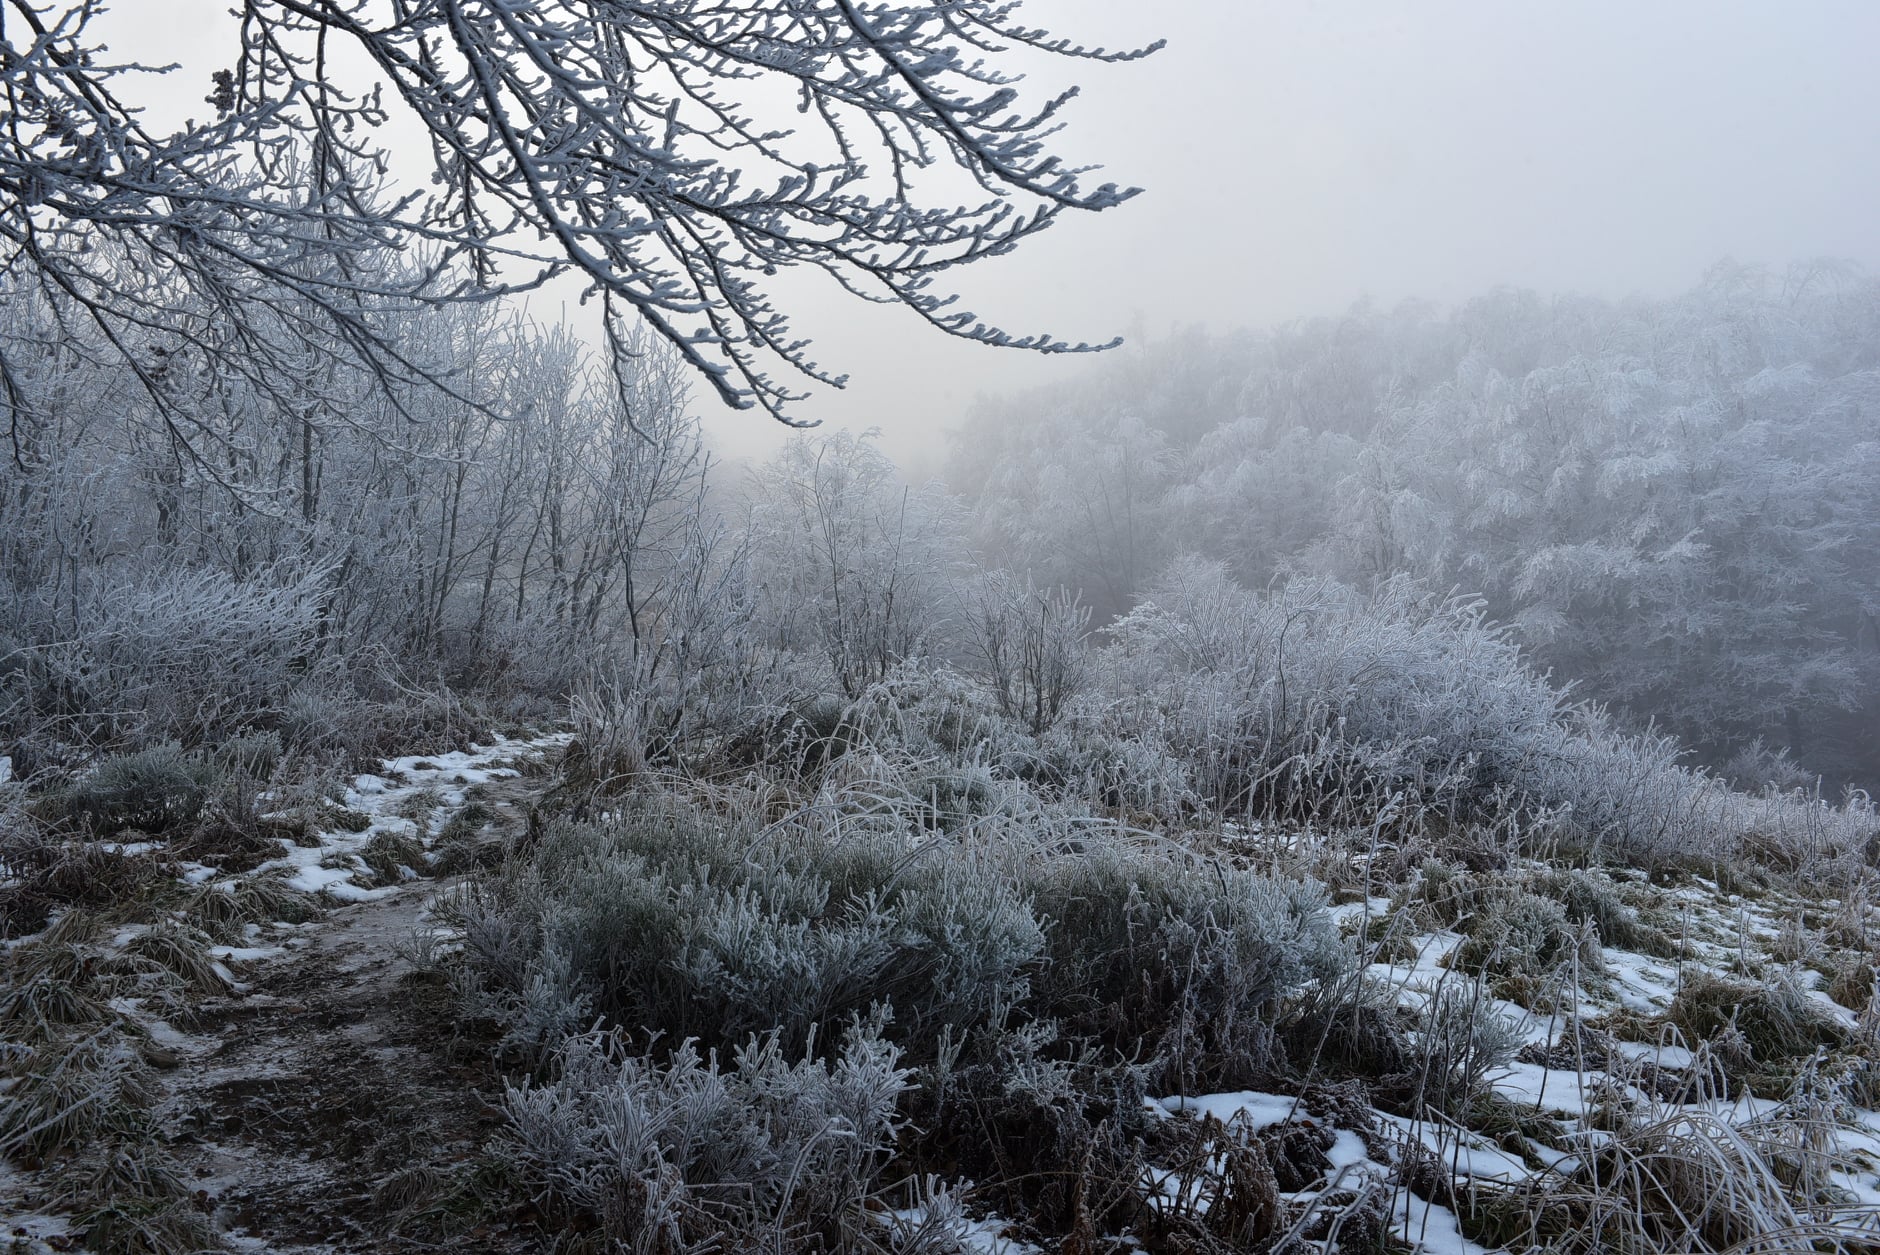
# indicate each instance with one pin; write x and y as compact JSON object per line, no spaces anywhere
{"x":158,"y":1226}
{"x":344,"y":818}
{"x":52,"y":874}
{"x":394,"y":856}
{"x":1753,"y":1021}
{"x":1591,"y":897}
{"x":1853,"y":979}
{"x":1669,"y":1179}
{"x":419,"y":807}
{"x":51,"y":982}
{"x":461,"y":844}
{"x":74,"y":1086}
{"x":129,"y":1199}
{"x":68,"y":1091}
{"x":174,"y":952}
{"x":225,"y":908}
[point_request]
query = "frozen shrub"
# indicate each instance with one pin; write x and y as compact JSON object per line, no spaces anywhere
{"x":1459,"y":1040}
{"x":935,"y":714}
{"x":1172,"y":958}
{"x":1521,"y":944}
{"x":677,"y":921}
{"x":1030,"y":645}
{"x":167,"y":653}
{"x":1317,"y":706}
{"x":155,"y":790}
{"x":314,"y":718}
{"x":673,"y":1154}
{"x":676,"y":925}
{"x":794,"y":740}
{"x":252,"y":755}
{"x":1133,"y":771}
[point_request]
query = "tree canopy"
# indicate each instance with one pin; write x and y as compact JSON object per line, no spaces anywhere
{"x":631,"y":143}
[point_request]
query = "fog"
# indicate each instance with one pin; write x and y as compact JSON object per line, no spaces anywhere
{"x":1297,"y":158}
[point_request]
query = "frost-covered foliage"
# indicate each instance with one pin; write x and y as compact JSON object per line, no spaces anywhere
{"x":1014,"y":985}
{"x":338,"y":585}
{"x":1030,"y":644}
{"x":109,"y":654}
{"x":670,"y":1151}
{"x":680,"y":921}
{"x":1318,"y":706}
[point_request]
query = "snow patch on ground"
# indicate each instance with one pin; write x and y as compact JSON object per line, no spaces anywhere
{"x":329,"y":864}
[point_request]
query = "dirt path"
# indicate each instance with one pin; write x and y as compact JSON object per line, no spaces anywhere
{"x":325,"y":1104}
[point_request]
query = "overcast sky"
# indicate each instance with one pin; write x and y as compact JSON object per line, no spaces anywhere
{"x":1298,"y":156}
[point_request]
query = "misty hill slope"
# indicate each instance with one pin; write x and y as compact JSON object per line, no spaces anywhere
{"x":1671,"y":502}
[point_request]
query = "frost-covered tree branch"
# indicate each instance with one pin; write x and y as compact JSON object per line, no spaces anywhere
{"x":633,"y":145}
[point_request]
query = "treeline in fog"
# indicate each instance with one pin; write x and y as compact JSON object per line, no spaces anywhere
{"x":1298,"y":575}
{"x":1673,"y":504}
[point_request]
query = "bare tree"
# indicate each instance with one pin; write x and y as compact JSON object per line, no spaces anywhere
{"x":624,"y":141}
{"x":1030,"y":644}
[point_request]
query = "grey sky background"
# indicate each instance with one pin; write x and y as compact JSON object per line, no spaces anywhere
{"x":1300,"y":156}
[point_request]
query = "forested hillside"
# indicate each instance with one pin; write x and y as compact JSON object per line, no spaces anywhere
{"x":1674,"y":504}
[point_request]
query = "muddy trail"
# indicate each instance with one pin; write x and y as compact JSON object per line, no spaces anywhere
{"x":326,"y":1102}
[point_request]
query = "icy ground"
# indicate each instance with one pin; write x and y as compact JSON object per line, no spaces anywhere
{"x":297,"y":1092}
{"x":1723,"y":934}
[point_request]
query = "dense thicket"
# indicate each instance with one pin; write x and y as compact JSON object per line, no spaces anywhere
{"x":1675,"y":504}
{"x":1689,"y":534}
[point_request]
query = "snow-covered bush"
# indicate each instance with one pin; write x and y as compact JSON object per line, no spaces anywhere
{"x":1039,"y":975}
{"x":673,"y":919}
{"x":1316,"y":706}
{"x":155,"y":790}
{"x":675,"y":1151}
{"x":188,"y":654}
{"x":1181,"y":959}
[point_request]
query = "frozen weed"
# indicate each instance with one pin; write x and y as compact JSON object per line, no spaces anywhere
{"x":224,"y":908}
{"x":154,"y":790}
{"x":394,"y":856}
{"x":1774,"y":1020}
{"x":668,"y":1153}
{"x":66,"y":1091}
